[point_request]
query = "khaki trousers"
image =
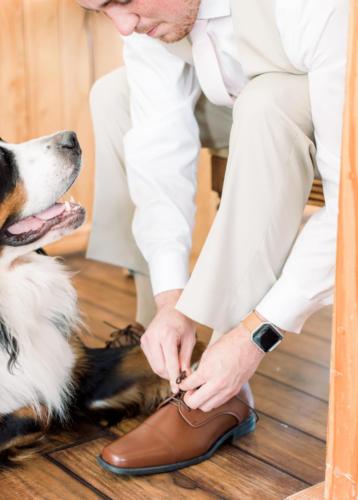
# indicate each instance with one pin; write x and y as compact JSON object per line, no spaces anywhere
{"x":111,"y":238}
{"x":268,"y":180}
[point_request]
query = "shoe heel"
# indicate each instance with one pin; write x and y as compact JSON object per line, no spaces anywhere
{"x":245,"y":428}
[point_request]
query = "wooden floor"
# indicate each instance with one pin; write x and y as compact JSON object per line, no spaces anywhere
{"x":284,"y":455}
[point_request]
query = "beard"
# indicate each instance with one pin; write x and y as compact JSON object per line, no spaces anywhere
{"x":184,"y":27}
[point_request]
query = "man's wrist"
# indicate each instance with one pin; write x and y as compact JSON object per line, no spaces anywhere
{"x":263,"y":333}
{"x":265,"y":320}
{"x":168,"y":298}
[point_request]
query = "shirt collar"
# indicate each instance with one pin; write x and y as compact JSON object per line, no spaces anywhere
{"x":214,"y":8}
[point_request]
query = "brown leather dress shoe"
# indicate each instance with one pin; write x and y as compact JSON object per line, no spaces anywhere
{"x":176,"y":436}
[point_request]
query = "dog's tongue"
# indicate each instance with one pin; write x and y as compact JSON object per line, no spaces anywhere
{"x":51,"y":212}
{"x":34,"y":223}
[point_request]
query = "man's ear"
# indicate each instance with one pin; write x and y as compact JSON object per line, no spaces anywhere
{"x":9,"y":344}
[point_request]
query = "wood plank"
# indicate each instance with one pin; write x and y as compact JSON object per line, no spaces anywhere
{"x":81,"y":430}
{"x":117,"y":285}
{"x":112,"y":300}
{"x":287,"y":448}
{"x":241,"y":477}
{"x":307,"y":347}
{"x":229,"y":474}
{"x":14,"y":123}
{"x":41,"y":479}
{"x":300,"y":374}
{"x":43,"y":64}
{"x":320,"y":324}
{"x":290,"y":406}
{"x":314,"y":493}
{"x":99,"y":271}
{"x":106,"y":44}
{"x":103,"y":313}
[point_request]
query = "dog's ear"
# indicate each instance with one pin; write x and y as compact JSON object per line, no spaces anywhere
{"x":9,"y":344}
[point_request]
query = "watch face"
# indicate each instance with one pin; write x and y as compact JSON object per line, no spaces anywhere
{"x":267,"y":337}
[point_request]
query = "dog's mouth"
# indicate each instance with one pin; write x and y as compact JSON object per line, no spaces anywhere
{"x":66,"y":216}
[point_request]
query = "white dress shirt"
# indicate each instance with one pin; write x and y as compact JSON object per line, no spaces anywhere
{"x":163,"y":144}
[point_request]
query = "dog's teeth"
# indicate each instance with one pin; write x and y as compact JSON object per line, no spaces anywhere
{"x":67,"y":206}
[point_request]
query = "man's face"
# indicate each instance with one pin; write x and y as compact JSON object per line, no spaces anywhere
{"x":168,"y":20}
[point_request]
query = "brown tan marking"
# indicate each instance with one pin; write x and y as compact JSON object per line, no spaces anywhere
{"x":13,"y":203}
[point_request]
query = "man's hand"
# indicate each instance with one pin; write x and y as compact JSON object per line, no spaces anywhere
{"x":224,"y":368}
{"x":169,"y":340}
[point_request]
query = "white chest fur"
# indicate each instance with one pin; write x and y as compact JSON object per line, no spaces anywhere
{"x":38,"y":305}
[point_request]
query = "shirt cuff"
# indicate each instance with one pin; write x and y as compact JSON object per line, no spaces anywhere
{"x":287,"y":308}
{"x":169,"y":271}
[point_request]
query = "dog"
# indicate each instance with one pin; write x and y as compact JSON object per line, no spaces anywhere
{"x":47,"y":375}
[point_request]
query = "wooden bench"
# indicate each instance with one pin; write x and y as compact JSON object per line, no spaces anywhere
{"x":218,"y":167}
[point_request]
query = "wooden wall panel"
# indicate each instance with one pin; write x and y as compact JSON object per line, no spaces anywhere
{"x":107,"y":45}
{"x":43,"y":70}
{"x":13,"y":100}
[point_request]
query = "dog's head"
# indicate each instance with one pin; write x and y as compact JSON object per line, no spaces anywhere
{"x":33,"y":176}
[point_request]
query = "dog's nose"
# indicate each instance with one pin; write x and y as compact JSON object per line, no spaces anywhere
{"x":69,"y":140}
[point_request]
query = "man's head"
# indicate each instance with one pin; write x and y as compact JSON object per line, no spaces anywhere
{"x":168,"y":20}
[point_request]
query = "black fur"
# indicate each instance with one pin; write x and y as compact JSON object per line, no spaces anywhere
{"x":102,"y":379}
{"x":9,"y":344}
{"x":9,"y":173}
{"x":12,"y":427}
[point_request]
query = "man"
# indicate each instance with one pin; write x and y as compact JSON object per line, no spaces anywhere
{"x":280,"y":66}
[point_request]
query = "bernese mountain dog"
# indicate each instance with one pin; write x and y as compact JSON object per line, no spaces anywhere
{"x":47,"y":375}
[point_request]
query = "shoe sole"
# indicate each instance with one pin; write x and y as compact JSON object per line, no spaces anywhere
{"x":245,"y":428}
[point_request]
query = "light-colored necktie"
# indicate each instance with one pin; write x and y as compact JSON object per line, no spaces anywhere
{"x":207,"y":66}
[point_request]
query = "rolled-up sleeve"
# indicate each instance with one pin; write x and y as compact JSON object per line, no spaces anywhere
{"x":161,"y":151}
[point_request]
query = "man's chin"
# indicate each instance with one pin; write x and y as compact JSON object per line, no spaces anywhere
{"x":172,"y":37}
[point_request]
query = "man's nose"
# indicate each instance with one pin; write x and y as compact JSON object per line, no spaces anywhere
{"x":124,"y":22}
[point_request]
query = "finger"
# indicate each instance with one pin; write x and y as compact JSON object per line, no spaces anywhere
{"x":170,"y":351}
{"x":186,"y":350}
{"x":155,"y":357}
{"x":201,"y":396}
{"x":214,"y":402}
{"x":195,"y":380}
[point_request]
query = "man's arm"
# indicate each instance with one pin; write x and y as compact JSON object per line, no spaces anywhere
{"x":161,"y":155}
{"x":319,"y":46}
{"x":308,"y":277}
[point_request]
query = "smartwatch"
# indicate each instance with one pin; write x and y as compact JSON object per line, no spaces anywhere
{"x":263,"y":333}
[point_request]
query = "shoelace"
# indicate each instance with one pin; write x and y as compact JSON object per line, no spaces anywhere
{"x":179,"y":398}
{"x":121,"y":337}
